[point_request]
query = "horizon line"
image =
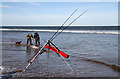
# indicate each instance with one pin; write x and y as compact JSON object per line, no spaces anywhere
{"x":60,"y":25}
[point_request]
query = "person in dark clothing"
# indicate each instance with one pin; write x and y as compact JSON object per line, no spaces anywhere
{"x":37,"y":38}
{"x":29,"y":36}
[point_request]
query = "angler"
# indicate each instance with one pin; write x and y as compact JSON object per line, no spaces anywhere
{"x":29,"y":37}
{"x":37,"y":38}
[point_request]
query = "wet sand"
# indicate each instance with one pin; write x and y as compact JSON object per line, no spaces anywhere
{"x":83,"y":60}
{"x":52,"y":66}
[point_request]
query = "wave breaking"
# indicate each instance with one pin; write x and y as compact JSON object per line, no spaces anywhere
{"x":68,"y":31}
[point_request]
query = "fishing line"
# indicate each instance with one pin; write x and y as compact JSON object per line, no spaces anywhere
{"x":69,"y":24}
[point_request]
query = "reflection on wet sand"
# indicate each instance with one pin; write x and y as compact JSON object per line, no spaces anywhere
{"x":12,"y":50}
{"x":28,"y":50}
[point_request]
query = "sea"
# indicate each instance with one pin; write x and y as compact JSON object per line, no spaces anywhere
{"x":92,"y":50}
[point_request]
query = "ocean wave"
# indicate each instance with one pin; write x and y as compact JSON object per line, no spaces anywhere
{"x":68,"y":31}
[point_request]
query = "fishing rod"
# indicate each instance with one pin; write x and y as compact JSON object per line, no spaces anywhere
{"x":63,"y":24}
{"x":33,"y":58}
{"x":68,"y":25}
{"x":53,"y":37}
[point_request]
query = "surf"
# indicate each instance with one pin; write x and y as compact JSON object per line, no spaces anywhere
{"x":67,"y":31}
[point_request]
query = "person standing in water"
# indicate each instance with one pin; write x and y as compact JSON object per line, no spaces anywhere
{"x":37,"y":38}
{"x":29,"y":37}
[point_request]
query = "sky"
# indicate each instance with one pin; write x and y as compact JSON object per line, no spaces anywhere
{"x":59,"y":0}
{"x":55,"y":13}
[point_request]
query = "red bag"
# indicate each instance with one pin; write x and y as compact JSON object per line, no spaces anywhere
{"x":55,"y":50}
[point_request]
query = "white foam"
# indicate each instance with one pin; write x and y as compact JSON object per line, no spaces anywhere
{"x":35,"y":47}
{"x":67,"y":31}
